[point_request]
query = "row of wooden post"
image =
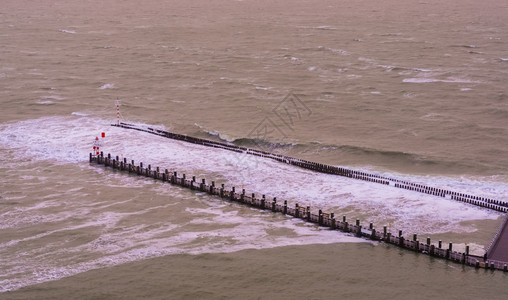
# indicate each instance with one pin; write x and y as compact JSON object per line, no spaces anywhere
{"x":321,"y":218}
{"x":497,"y":205}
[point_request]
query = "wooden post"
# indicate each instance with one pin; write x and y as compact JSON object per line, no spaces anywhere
{"x":384,"y":232}
{"x":232,"y":194}
{"x":90,"y":157}
{"x":308,"y":213}
{"x":263,"y":202}
{"x":285,"y":207}
{"x":440,"y":244}
{"x":202,"y":185}
{"x":448,"y":251}
{"x":212,"y":187}
{"x":192,"y":182}
{"x":320,"y":217}
{"x":297,"y":211}
{"x":274,"y":204}
{"x":222,"y":191}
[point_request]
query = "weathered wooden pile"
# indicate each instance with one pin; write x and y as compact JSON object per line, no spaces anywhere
{"x":484,"y":202}
{"x":302,"y":212}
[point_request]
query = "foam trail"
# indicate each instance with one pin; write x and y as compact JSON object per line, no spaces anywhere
{"x":210,"y":225}
{"x":72,"y":143}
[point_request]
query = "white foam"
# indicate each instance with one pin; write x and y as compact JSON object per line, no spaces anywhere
{"x":67,"y":31}
{"x":431,"y":80}
{"x":79,"y":114}
{"x":70,"y":141}
{"x":107,"y":86}
{"x":73,"y":140}
{"x":47,"y":102}
{"x":340,"y":51}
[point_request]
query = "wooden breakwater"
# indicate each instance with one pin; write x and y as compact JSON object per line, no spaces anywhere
{"x":484,"y":202}
{"x":320,"y":218}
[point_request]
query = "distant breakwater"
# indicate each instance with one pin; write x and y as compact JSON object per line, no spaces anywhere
{"x":484,"y":202}
{"x":320,"y":218}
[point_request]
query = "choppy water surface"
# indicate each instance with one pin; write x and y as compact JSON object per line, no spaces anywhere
{"x":412,"y":89}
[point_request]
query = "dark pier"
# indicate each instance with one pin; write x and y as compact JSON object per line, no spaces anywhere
{"x":497,"y":254}
{"x":484,"y":202}
{"x":320,"y":218}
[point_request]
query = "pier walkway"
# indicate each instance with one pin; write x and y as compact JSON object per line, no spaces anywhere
{"x":497,"y":253}
{"x":320,"y":218}
{"x":484,"y":202}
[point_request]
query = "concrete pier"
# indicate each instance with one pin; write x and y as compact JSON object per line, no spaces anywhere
{"x":497,"y":253}
{"x":495,"y":258}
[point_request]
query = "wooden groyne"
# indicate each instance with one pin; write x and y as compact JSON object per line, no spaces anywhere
{"x":484,"y":202}
{"x":323,"y":219}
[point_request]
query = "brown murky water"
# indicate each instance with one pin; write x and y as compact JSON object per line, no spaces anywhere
{"x":411,"y":89}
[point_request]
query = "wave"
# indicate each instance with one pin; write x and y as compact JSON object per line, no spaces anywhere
{"x":431,"y":80}
{"x":68,"y":31}
{"x":107,"y":86}
{"x":246,"y":142}
{"x":365,"y":155}
{"x":215,"y":134}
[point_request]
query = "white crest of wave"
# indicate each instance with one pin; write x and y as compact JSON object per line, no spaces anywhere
{"x":107,"y":86}
{"x":68,"y":31}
